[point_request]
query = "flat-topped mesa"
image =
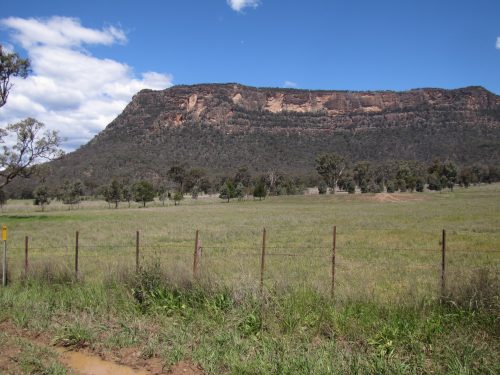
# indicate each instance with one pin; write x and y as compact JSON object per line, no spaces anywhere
{"x":219,"y":103}
{"x":220,"y":127}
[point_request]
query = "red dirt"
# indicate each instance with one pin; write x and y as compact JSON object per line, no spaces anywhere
{"x":129,"y":358}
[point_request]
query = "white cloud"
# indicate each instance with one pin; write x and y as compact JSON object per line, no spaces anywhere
{"x":498,"y":42}
{"x":239,"y":5}
{"x":60,"y":31}
{"x":290,"y":84}
{"x":70,"y":90}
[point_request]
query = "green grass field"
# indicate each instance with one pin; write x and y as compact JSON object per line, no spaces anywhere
{"x":385,"y":318}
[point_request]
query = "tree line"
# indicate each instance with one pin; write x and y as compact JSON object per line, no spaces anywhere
{"x":338,"y":173}
{"x":179,"y":181}
{"x":333,"y":173}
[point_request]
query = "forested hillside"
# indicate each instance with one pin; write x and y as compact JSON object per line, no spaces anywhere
{"x":220,"y":127}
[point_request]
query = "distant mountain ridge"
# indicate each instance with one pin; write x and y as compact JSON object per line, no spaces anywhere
{"x":221,"y":127}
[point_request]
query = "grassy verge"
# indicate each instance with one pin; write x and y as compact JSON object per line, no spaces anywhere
{"x":239,"y":332}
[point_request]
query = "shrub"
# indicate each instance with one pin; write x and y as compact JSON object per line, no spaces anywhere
{"x":322,"y":187}
{"x":390,"y":186}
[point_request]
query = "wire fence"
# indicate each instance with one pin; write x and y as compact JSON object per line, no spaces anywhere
{"x":347,"y":270}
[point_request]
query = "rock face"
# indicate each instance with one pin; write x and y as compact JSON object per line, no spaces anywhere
{"x":221,"y":104}
{"x":220,"y":127}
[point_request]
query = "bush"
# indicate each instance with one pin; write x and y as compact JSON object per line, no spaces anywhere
{"x":390,"y":186}
{"x":178,"y":196}
{"x":419,"y":185}
{"x":351,"y":187}
{"x":260,"y":190}
{"x":322,"y":187}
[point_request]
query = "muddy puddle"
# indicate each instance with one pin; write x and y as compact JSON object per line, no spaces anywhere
{"x":85,"y":364}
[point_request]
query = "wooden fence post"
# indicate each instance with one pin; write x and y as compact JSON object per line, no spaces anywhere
{"x":76,"y":255}
{"x":333,"y":260}
{"x":263,"y":260}
{"x":4,"y":263}
{"x":196,"y":255}
{"x":443,"y":264}
{"x":26,"y":245}
{"x":137,"y":252}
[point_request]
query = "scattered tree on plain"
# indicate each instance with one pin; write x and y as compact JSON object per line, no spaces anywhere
{"x":227,"y":191}
{"x":71,"y":193}
{"x":239,"y":191}
{"x":163,"y":194}
{"x":143,"y":192}
{"x":114,"y":192}
{"x":260,"y":190}
{"x":330,"y":167}
{"x":127,"y":194}
{"x":362,"y":175}
{"x":177,"y":197}
{"x":42,"y":197}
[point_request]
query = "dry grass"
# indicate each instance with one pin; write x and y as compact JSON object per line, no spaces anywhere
{"x":385,"y":249}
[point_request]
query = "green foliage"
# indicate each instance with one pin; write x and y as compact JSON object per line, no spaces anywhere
{"x":34,"y":358}
{"x":227,"y":191}
{"x":143,"y":191}
{"x":194,"y":178}
{"x":195,"y":191}
{"x":114,"y":192}
{"x":391,"y":186}
{"x":350,"y":187}
{"x":177,"y":173}
{"x":239,"y":191}
{"x":243,"y":176}
{"x":287,"y":142}
{"x":251,"y":324}
{"x":442,"y":175}
{"x":362,"y":175}
{"x":42,"y":197}
{"x":322,"y":187}
{"x":71,"y":193}
{"x":127,"y":194}
{"x":346,"y":181}
{"x":75,"y":335}
{"x":163,"y":194}
{"x":419,"y":185}
{"x":434,"y":182}
{"x":259,"y":190}
{"x":31,"y":146}
{"x":177,"y":197}
{"x":330,"y":167}
{"x":11,"y":65}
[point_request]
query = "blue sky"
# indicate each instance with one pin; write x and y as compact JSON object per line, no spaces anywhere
{"x":315,"y":44}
